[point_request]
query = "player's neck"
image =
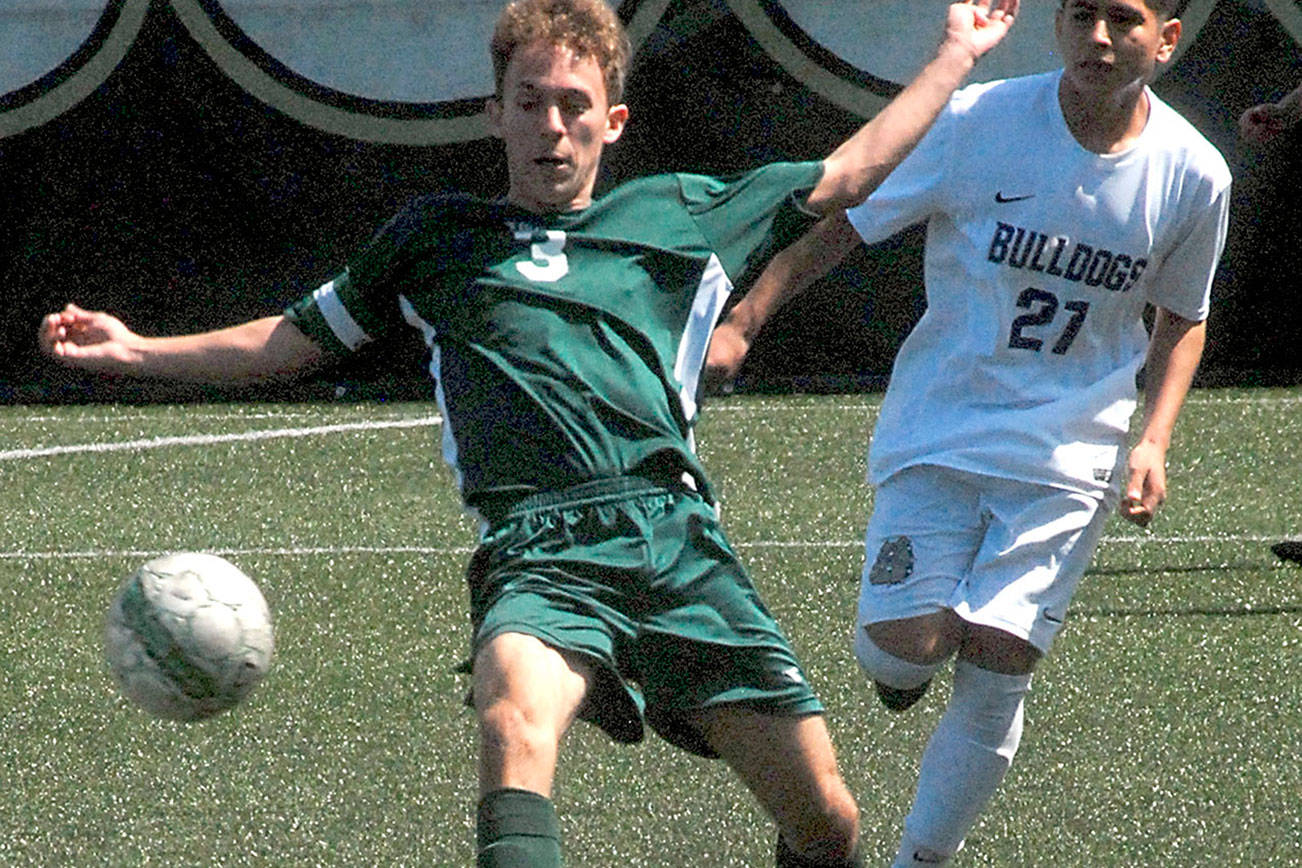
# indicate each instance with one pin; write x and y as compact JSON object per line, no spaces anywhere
{"x":1105,"y":123}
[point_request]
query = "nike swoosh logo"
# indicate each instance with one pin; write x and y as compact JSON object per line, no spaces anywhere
{"x":1004,"y":200}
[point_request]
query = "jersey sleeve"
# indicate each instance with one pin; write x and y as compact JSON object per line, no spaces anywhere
{"x":910,"y":194}
{"x":1183,"y":284}
{"x":358,"y":305}
{"x":744,"y":221}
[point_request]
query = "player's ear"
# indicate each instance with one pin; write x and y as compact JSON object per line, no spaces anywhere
{"x":616,"y":120}
{"x":493,"y":108}
{"x":1171,"y":31}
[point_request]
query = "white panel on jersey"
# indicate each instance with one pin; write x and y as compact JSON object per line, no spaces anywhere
{"x":430,"y":336}
{"x":713,"y":291}
{"x":389,"y":50}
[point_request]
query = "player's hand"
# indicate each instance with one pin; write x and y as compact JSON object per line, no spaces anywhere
{"x":1261,"y":124}
{"x":980,"y":25}
{"x":728,"y":348}
{"x":86,"y":339}
{"x":1146,"y":485}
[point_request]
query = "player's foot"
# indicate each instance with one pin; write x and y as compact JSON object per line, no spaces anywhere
{"x":1289,"y":550}
{"x":897,"y":699}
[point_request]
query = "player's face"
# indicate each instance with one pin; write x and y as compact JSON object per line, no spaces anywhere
{"x":1111,"y":47}
{"x":554,"y":119}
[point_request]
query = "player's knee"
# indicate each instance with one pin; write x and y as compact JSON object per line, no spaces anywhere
{"x":503,"y":723}
{"x":830,"y":840}
{"x":518,"y":735}
{"x":927,"y":640}
{"x":830,"y":834}
{"x":889,"y":668}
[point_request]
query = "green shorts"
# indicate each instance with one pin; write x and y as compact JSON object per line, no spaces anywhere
{"x":640,"y":581}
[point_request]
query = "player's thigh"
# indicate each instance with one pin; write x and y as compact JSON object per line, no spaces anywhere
{"x":537,"y":681}
{"x":1038,"y":545}
{"x":705,"y":637}
{"x":925,"y":530}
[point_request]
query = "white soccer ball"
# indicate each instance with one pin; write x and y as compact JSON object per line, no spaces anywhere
{"x":188,"y":636}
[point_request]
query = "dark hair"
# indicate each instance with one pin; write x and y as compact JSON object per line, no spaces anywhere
{"x":589,"y":28}
{"x":1165,"y":9}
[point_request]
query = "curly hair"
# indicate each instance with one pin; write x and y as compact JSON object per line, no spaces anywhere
{"x":589,"y":28}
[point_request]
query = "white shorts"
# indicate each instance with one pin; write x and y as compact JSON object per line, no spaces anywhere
{"x":999,"y":553}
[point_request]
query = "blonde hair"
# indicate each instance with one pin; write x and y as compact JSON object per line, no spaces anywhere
{"x":588,"y":28}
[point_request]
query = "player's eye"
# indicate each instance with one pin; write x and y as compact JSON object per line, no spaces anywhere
{"x":573,"y":107}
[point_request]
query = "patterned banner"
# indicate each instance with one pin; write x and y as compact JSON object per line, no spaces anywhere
{"x":416,"y":72}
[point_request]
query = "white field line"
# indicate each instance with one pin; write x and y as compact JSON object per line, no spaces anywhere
{"x":213,"y":439}
{"x":209,"y":414}
{"x":716,"y":405}
{"x":294,"y":552}
{"x":438,"y":551}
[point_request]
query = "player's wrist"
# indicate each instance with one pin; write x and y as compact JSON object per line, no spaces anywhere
{"x":744,"y":322}
{"x":960,"y":50}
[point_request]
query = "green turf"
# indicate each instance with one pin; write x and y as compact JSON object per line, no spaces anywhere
{"x":1165,"y":729}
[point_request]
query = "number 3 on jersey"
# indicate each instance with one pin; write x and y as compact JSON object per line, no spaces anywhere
{"x":1043,"y":308}
{"x":548,"y":262}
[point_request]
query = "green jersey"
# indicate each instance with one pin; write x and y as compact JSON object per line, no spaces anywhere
{"x":565,"y":347}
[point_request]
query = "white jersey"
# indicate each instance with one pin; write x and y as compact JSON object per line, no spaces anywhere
{"x":1040,"y":258}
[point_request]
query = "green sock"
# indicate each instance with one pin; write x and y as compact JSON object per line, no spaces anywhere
{"x":517,"y":829}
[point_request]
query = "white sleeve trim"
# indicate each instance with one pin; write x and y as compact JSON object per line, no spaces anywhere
{"x":341,"y":322}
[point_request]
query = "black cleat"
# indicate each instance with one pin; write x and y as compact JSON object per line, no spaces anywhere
{"x":1288,"y":550}
{"x":897,"y":699}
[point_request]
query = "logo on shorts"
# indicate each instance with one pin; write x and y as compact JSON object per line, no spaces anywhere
{"x":894,"y":562}
{"x":1051,"y":616}
{"x":1102,"y":474}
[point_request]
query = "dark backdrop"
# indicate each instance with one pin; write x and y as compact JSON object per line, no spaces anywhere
{"x":175,"y":199}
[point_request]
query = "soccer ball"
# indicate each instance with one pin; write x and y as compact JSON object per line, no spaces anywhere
{"x":188,"y":636}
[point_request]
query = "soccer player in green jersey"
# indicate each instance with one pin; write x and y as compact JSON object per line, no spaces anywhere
{"x":566,"y":340}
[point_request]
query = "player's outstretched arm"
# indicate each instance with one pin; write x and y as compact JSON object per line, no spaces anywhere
{"x":1174,"y":352}
{"x":1263,"y":123}
{"x":788,"y":274}
{"x":255,"y":351}
{"x":855,"y":168}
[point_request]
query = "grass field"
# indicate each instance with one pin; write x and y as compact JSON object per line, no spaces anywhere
{"x":1166,"y":728}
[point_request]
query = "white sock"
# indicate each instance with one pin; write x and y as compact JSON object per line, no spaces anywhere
{"x":967,"y":757}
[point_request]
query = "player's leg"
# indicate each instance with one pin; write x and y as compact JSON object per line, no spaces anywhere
{"x":926,"y":527}
{"x":721,"y":680}
{"x":788,"y":762}
{"x":526,"y":696}
{"x":1014,"y":600}
{"x":548,"y":618}
{"x":972,"y":747}
{"x":902,"y":655}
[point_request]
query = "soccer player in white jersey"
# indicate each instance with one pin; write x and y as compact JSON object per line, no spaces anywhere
{"x":566,"y":335}
{"x":1058,"y":207}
